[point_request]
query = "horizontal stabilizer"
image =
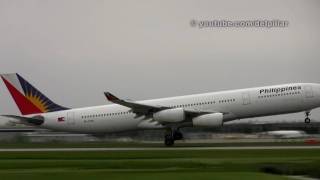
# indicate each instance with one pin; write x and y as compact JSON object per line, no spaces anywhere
{"x":37,"y":120}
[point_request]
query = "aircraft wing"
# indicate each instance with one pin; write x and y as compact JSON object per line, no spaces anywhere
{"x":136,"y":107}
{"x":196,"y":112}
{"x":141,"y":108}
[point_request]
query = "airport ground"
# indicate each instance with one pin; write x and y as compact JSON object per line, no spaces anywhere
{"x":161,"y":163}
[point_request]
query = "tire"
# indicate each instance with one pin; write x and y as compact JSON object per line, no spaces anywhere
{"x":307,"y":120}
{"x":168,"y":140}
{"x":178,"y":135}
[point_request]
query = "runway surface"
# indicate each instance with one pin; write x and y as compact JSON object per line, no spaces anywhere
{"x":153,"y":148}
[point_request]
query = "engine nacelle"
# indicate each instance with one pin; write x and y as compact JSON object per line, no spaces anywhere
{"x":170,"y":115}
{"x":208,"y":120}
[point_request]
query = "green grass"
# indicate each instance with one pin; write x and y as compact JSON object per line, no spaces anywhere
{"x":186,"y":164}
{"x":85,"y":175}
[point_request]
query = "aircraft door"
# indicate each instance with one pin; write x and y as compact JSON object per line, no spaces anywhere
{"x":308,"y":92}
{"x":246,"y":98}
{"x":70,"y":118}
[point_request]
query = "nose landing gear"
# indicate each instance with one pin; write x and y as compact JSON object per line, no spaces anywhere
{"x":307,"y":119}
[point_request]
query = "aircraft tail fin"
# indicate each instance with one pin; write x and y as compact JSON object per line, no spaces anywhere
{"x":28,"y":99}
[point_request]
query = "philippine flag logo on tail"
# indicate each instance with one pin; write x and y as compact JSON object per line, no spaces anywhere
{"x":28,"y":99}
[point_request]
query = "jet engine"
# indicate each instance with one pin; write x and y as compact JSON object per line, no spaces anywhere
{"x":170,"y":115}
{"x":208,"y":120}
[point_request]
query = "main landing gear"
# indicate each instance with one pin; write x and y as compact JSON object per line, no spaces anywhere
{"x":307,"y":119}
{"x":171,"y":135}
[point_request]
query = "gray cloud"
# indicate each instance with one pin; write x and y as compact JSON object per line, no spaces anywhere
{"x":74,"y":50}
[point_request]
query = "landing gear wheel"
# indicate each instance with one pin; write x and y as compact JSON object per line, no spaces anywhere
{"x":171,"y":135}
{"x":177,"y":135}
{"x":168,"y":140}
{"x":307,"y":120}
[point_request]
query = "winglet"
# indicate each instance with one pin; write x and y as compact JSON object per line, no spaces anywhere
{"x":111,"y":97}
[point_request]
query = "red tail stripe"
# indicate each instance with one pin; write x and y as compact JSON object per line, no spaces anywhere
{"x":25,"y":106}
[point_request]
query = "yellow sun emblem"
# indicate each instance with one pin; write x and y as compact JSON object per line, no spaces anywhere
{"x":37,"y":102}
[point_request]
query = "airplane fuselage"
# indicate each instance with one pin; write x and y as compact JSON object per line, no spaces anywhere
{"x":238,"y":104}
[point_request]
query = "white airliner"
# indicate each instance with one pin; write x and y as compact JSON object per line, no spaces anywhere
{"x":172,"y":114}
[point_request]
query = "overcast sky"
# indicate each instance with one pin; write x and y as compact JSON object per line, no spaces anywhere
{"x":75,"y":50}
